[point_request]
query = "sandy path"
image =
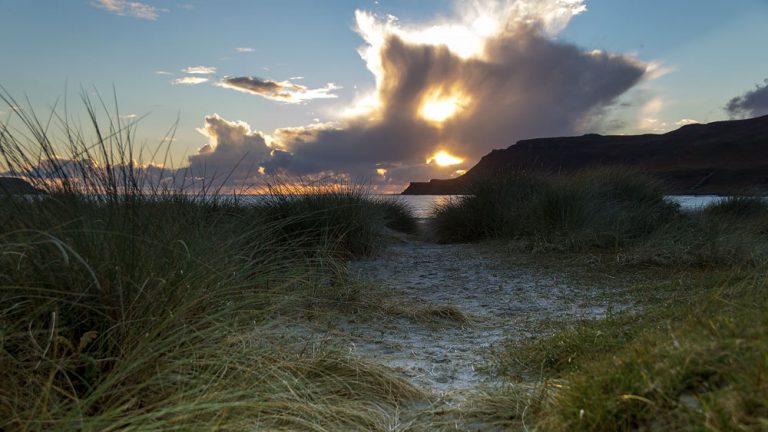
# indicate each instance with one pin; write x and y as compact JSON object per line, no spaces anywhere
{"x":505,"y":299}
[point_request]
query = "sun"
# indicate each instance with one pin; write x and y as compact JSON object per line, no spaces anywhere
{"x":437,"y":108}
{"x":439,"y":111}
{"x":443,"y":158}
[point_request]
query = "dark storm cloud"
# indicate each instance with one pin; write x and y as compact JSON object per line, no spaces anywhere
{"x":753,"y":103}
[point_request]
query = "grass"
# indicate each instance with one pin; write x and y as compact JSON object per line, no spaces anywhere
{"x":607,"y":211}
{"x":704,"y":371}
{"x":347,"y":216}
{"x":605,"y":208}
{"x":732,"y":231}
{"x":147,"y":317}
{"x":130,"y":305}
{"x":692,"y":355}
{"x":693,"y":358}
{"x":127,"y":303}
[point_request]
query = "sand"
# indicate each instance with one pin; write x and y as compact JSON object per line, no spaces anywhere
{"x":505,"y":296}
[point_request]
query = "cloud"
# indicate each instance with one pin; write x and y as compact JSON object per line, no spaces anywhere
{"x":200,"y":70}
{"x":190,"y":80}
{"x":495,"y":74}
{"x":245,"y":49}
{"x":233,"y":153}
{"x":162,"y":72}
{"x":468,"y":87}
{"x":129,"y":8}
{"x":281,"y":91}
{"x":753,"y":103}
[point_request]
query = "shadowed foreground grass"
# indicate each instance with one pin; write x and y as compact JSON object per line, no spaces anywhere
{"x":156,"y":315}
{"x":132,"y":305}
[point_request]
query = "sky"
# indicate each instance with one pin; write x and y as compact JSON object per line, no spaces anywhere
{"x":386,"y":91}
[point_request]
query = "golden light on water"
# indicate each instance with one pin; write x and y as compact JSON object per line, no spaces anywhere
{"x":443,"y":158}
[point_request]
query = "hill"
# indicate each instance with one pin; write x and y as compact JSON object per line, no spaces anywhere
{"x":723,"y":157}
{"x":17,"y":186}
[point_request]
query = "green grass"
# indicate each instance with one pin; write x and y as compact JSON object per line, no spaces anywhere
{"x":607,"y":211}
{"x":730,"y":232}
{"x":704,"y":371}
{"x":738,"y":207}
{"x":603,"y":209}
{"x":348,"y":217}
{"x":131,"y":305}
{"x":695,"y":358}
{"x":148,"y":316}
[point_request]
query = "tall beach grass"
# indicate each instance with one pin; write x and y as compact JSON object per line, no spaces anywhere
{"x":130,"y":303}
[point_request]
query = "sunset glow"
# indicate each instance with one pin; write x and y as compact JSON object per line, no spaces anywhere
{"x":438,"y":110}
{"x":323,"y":215}
{"x":443,"y":158}
{"x":395,"y":83}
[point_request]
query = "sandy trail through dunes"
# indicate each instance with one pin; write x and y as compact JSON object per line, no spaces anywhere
{"x":505,"y":297}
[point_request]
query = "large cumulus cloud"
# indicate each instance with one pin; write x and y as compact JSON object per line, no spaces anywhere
{"x":465,"y":86}
{"x":234,"y":153}
{"x":753,"y":103}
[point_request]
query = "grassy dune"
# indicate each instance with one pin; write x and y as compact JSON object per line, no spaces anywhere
{"x":156,"y":314}
{"x":598,"y":208}
{"x":132,"y":305}
{"x":694,"y":358}
{"x":609,"y":210}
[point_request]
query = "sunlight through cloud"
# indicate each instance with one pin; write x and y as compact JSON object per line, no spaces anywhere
{"x":443,"y":158}
{"x":438,"y":110}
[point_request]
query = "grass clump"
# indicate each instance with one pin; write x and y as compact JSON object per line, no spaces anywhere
{"x":729,"y":232}
{"x":738,"y":207}
{"x":398,"y":215}
{"x":345,"y":219}
{"x":130,"y":305}
{"x":704,"y":372}
{"x":694,"y":359}
{"x":568,"y":349}
{"x":605,"y":208}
